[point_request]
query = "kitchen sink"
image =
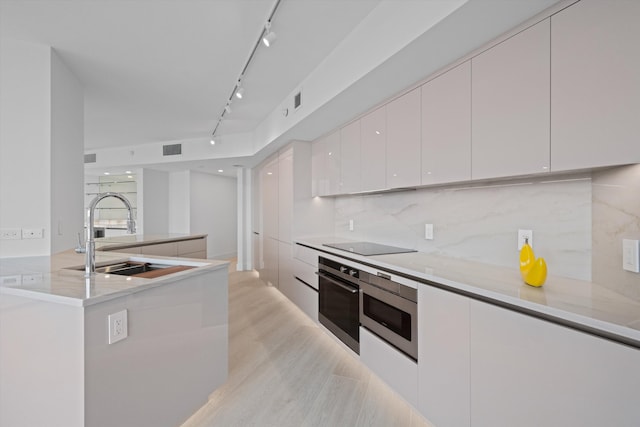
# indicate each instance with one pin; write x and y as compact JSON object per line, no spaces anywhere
{"x":138,"y":268}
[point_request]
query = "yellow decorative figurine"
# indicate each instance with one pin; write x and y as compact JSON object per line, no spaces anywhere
{"x":534,"y":271}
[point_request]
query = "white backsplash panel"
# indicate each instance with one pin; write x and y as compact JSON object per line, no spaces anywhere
{"x":616,"y":216}
{"x":481,"y":222}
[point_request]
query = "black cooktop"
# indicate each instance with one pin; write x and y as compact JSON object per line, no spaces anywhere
{"x":368,"y":248}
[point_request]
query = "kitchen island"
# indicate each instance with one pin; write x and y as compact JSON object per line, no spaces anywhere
{"x":57,"y":366}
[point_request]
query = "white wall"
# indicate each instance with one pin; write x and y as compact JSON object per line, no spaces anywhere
{"x":213,"y":211}
{"x":41,"y":148}
{"x":153,"y":203}
{"x":67,"y":158}
{"x":179,"y":202}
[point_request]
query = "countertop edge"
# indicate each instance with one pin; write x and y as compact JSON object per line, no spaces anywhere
{"x":106,"y":247}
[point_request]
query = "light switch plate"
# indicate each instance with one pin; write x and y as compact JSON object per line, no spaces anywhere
{"x":631,"y":255}
{"x":118,"y":329}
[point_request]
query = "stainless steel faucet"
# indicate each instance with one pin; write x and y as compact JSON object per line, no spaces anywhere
{"x":90,"y":256}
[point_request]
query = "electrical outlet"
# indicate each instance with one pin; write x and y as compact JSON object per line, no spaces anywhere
{"x":631,"y":255}
{"x":29,"y":279}
{"x":11,"y":234}
{"x":428,"y":231}
{"x":32,"y":233}
{"x":118,"y":329}
{"x":525,"y":236}
{"x":350,"y":225}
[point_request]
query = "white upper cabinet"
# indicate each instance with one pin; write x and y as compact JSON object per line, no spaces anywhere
{"x":446,"y":127}
{"x":403,"y":141}
{"x":595,"y":76}
{"x":325,"y":158}
{"x":373,"y":166}
{"x":350,"y":158}
{"x":510,"y":106}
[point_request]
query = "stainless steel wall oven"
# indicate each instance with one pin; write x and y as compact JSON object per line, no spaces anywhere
{"x":339,"y":301}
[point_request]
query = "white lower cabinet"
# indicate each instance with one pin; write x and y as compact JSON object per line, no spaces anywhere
{"x":529,"y":372}
{"x":269,"y":271}
{"x":302,"y":295}
{"x":443,"y":357}
{"x":393,"y":367}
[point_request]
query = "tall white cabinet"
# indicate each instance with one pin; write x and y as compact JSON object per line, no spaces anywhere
{"x":595,"y":76}
{"x":446,"y":127}
{"x":373,"y":161}
{"x":403,"y":140}
{"x":510,"y":106}
{"x":350,"y":158}
{"x":325,"y":158}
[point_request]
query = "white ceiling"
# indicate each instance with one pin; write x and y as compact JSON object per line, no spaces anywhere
{"x":162,"y":70}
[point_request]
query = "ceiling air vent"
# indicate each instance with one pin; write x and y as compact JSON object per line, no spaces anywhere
{"x":171,"y":150}
{"x":297,"y":100}
{"x":90,"y":158}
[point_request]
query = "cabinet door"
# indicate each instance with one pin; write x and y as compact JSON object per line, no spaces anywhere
{"x":269,"y":195}
{"x":510,"y":106}
{"x":443,"y":357}
{"x":271,"y":261}
{"x":285,"y":195}
{"x":373,"y":166}
{"x":595,"y":76}
{"x":285,"y":268}
{"x":403,"y":141}
{"x":325,"y":158}
{"x":446,"y":127}
{"x":350,"y":158}
{"x":529,"y":372}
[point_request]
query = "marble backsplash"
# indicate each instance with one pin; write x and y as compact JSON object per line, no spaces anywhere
{"x":481,"y":222}
{"x":616,"y":216}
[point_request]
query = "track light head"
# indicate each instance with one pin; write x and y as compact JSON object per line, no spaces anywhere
{"x":240,"y":93}
{"x":269,"y":36}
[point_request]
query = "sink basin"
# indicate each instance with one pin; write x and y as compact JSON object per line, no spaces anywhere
{"x":130,"y":268}
{"x":139,"y":269}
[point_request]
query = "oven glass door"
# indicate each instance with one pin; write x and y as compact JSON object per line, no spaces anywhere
{"x":388,"y":316}
{"x":339,"y":302}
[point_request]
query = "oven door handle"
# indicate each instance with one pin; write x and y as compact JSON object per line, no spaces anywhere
{"x":335,"y":282}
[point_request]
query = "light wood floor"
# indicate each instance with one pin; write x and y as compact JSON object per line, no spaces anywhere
{"x":285,"y":371}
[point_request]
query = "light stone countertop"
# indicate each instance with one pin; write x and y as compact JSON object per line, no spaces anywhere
{"x":133,"y":240}
{"x":48,"y":278}
{"x":575,"y":303}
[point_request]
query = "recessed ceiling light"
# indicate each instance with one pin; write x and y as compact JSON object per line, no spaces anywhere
{"x":213,"y":141}
{"x":377,"y":132}
{"x":220,"y":170}
{"x":239,"y":93}
{"x":107,"y":173}
{"x":130,"y":176}
{"x":127,"y":172}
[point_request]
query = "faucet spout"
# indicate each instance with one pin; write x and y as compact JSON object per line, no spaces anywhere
{"x":90,"y":244}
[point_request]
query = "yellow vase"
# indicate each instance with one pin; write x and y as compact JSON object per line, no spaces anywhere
{"x":527,"y":257}
{"x":537,"y":274}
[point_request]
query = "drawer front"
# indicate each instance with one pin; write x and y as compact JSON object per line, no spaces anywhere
{"x":190,"y":246}
{"x":306,"y":255}
{"x":306,"y":273}
{"x":161,"y":249}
